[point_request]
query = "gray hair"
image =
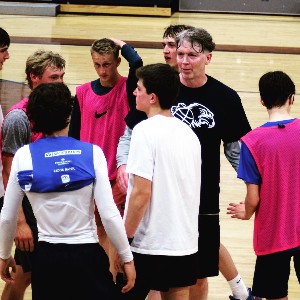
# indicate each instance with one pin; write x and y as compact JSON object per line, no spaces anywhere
{"x":197,"y":37}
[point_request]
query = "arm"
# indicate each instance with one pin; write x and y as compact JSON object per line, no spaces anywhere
{"x":122,"y":156}
{"x":74,"y":128}
{"x":111,"y":218}
{"x":7,"y":159}
{"x":8,"y":224}
{"x":134,"y":116}
{"x":251,"y":204}
{"x":134,"y":61}
{"x":15,"y":134}
{"x":248,"y":172}
{"x":138,"y":203}
{"x":232,"y":153}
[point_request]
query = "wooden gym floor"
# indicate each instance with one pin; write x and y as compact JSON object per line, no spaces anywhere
{"x":247,"y":47}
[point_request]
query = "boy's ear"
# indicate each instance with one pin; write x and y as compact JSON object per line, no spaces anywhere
{"x":262,"y":102}
{"x":153,"y":98}
{"x":291,"y":99}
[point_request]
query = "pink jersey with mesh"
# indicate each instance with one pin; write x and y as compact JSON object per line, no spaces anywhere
{"x":102,"y":119}
{"x":276,"y":152}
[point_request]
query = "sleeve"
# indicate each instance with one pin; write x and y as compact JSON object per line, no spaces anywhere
{"x":135,"y":62}
{"x":141,"y":157}
{"x":74,"y":128}
{"x":232,"y":153}
{"x":108,"y":211}
{"x":16,"y":131}
{"x":134,"y":116}
{"x":123,"y":147}
{"x":235,"y":122}
{"x":247,"y":169}
{"x":9,"y":213}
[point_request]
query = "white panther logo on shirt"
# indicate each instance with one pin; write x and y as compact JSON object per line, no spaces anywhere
{"x":195,"y":115}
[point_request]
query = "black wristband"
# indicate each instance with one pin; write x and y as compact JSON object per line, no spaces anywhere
{"x":130,"y":240}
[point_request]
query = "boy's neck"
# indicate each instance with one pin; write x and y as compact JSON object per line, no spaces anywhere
{"x":159,"y":111}
{"x":279,"y":114}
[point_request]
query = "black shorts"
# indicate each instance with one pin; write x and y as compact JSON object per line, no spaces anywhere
{"x":160,"y":272}
{"x":24,"y":258}
{"x":272,"y":273}
{"x":71,"y":271}
{"x":208,"y":246}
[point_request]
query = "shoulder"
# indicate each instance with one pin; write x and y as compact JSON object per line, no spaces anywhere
{"x":220,"y":85}
{"x":84,"y":86}
{"x":15,"y":116}
{"x":23,"y":152}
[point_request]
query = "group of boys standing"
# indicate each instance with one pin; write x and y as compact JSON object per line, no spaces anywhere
{"x":175,"y":242}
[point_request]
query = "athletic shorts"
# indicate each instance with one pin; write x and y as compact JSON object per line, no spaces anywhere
{"x":159,"y":272}
{"x":208,"y":246}
{"x":24,"y":258}
{"x":272,"y":273}
{"x":71,"y":271}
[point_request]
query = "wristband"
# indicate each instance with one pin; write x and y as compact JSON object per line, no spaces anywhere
{"x":130,"y":240}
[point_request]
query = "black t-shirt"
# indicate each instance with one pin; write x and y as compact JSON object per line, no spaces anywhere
{"x":215,"y":113}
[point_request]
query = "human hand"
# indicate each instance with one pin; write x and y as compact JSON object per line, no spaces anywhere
{"x":118,"y":263}
{"x":118,"y":42}
{"x":237,"y":210}
{"x":130,"y":274}
{"x":5,"y":272}
{"x":122,"y":178}
{"x":23,"y":237}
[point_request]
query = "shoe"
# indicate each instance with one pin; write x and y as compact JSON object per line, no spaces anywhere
{"x":250,"y":296}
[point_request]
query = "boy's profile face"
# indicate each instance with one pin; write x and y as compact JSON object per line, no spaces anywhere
{"x":4,"y":55}
{"x":142,"y":98}
{"x":169,"y":51}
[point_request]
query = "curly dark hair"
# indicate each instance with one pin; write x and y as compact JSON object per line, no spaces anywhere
{"x":4,"y":38}
{"x":49,"y":107}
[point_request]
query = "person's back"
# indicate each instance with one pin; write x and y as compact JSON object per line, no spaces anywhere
{"x":63,"y":178}
{"x":279,"y":193}
{"x":269,"y":165}
{"x":42,"y":66}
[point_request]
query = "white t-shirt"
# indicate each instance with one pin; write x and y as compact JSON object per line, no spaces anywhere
{"x":167,"y":152}
{"x":64,"y":217}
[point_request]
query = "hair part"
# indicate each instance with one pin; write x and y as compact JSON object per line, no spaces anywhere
{"x":196,"y":37}
{"x":4,"y":38}
{"x":276,"y":88}
{"x":161,"y":80}
{"x":105,"y":46}
{"x":49,"y":107}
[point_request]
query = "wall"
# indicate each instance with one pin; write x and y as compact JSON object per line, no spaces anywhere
{"x":284,"y":7}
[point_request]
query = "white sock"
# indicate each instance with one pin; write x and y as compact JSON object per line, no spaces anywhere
{"x":238,"y":288}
